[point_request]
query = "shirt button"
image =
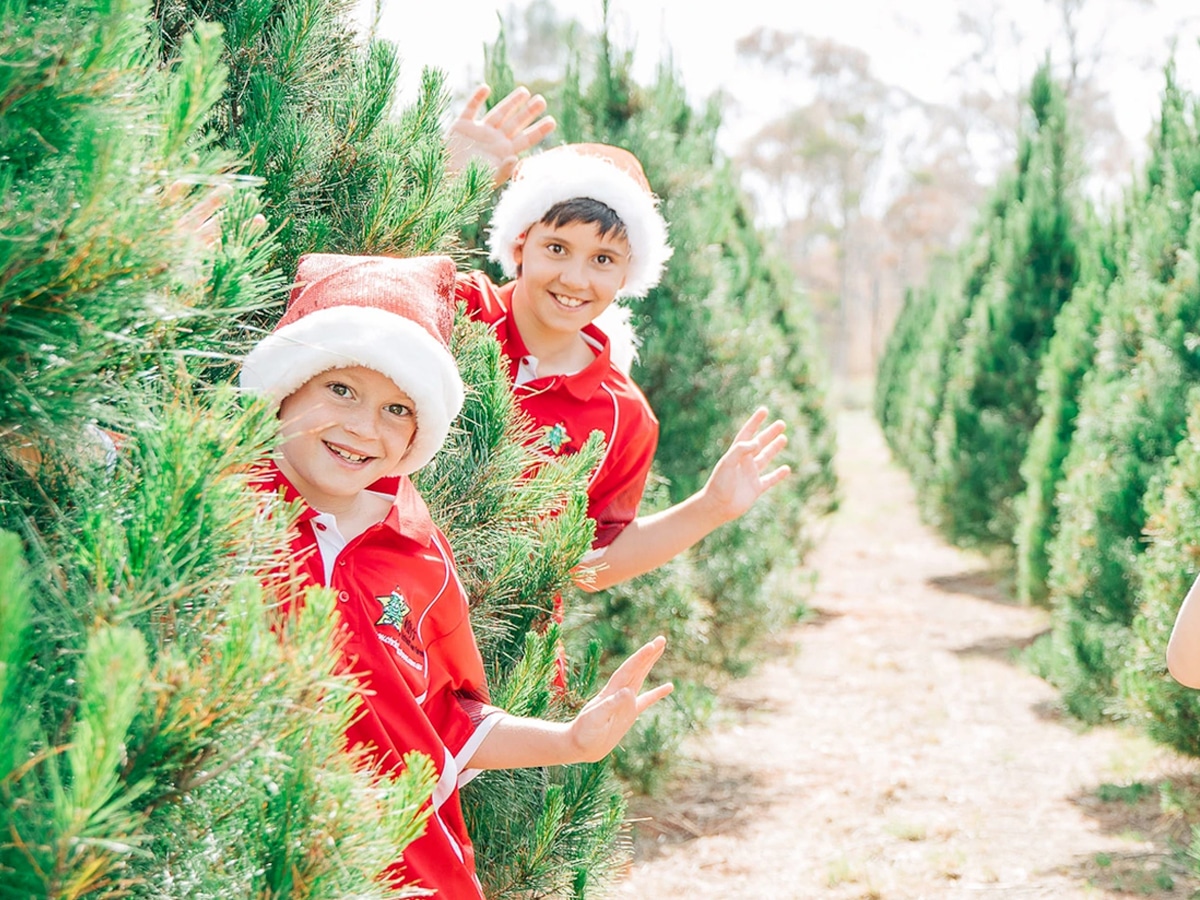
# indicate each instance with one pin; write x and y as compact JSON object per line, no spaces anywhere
{"x":320,"y":526}
{"x":343,"y":596}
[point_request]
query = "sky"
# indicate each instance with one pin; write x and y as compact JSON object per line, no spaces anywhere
{"x":914,"y":46}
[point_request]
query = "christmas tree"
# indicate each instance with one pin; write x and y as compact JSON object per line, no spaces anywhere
{"x":159,"y":737}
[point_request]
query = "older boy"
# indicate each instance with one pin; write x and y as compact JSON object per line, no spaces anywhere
{"x":577,"y":229}
{"x":366,"y":388}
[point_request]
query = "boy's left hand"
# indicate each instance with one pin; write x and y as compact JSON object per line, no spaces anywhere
{"x":738,"y":478}
{"x":506,"y":131}
{"x":607,"y":717}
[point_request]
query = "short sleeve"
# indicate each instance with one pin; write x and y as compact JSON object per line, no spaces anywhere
{"x":617,"y":488}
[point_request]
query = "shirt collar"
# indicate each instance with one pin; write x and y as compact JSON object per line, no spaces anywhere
{"x":408,"y":516}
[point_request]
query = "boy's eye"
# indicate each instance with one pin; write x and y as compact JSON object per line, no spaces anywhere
{"x":339,"y":389}
{"x":399,"y":409}
{"x":604,"y":259}
{"x":556,"y":249}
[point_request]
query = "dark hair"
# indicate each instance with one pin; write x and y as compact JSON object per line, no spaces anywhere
{"x":588,"y":212}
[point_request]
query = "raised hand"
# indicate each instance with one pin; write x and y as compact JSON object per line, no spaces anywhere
{"x":506,"y":131}
{"x":741,"y":476}
{"x":607,"y":717}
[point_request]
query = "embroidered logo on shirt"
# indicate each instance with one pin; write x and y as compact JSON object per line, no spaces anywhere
{"x":395,"y":608}
{"x":557,"y":437}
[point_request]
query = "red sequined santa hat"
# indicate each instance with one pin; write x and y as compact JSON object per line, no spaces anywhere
{"x":601,"y":172}
{"x":388,"y":314}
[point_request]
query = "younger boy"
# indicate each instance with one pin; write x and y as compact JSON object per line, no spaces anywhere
{"x":360,"y":369}
{"x":577,"y":229}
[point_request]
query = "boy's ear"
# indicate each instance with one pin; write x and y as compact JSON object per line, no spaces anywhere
{"x":519,"y":249}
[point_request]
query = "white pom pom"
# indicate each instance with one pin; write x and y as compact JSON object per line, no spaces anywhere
{"x":617,"y":323}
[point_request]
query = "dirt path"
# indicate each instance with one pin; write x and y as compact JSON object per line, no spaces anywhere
{"x":894,"y":750}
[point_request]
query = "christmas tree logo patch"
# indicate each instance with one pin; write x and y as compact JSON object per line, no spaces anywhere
{"x":557,"y":437}
{"x":395,"y":608}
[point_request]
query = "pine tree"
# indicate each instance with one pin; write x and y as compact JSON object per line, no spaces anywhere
{"x":313,"y":113}
{"x":953,"y":290}
{"x":159,"y":738}
{"x":1132,"y":415}
{"x":1168,"y":711}
{"x":990,"y":405}
{"x":726,"y":330}
{"x":311,"y":109}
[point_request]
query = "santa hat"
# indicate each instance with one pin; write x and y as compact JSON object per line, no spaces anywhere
{"x":388,"y":314}
{"x":600,"y":172}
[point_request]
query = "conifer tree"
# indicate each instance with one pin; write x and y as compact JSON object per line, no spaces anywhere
{"x":313,"y":111}
{"x":1168,"y":711}
{"x":157,"y":737}
{"x":952,"y":292}
{"x":905,"y":385}
{"x":1132,"y":414}
{"x":990,"y":405}
{"x":726,"y":330}
{"x":1069,"y":355}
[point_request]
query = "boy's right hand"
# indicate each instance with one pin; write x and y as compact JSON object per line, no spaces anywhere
{"x":506,"y":131}
{"x":607,"y":717}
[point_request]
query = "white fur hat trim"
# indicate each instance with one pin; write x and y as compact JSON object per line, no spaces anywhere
{"x":557,"y":175}
{"x":342,"y":336}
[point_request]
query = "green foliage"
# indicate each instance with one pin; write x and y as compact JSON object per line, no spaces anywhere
{"x":1069,"y":356}
{"x":916,"y":383}
{"x":164,"y":734}
{"x":311,"y":110}
{"x":990,"y":404}
{"x":518,"y":524}
{"x":545,"y":832}
{"x":1169,"y":712}
{"x":97,"y":280}
{"x":1132,"y":414}
{"x":899,"y":357}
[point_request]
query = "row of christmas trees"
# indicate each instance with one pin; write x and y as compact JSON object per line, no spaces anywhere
{"x":1042,"y":390}
{"x":157,"y":738}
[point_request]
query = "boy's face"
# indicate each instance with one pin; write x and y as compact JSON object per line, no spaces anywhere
{"x":569,"y":274}
{"x":343,"y":430}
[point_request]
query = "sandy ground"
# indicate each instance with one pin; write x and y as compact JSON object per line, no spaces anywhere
{"x":894,"y":748}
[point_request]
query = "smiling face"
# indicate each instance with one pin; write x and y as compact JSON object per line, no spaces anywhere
{"x":343,"y":430}
{"x":569,"y":274}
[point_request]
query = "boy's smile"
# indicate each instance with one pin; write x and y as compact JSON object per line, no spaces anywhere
{"x":569,"y":274}
{"x":343,"y":430}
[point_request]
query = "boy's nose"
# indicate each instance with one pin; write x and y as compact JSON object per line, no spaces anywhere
{"x":362,"y":423}
{"x":573,"y":275}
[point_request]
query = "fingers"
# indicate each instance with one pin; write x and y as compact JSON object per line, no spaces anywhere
{"x":751,"y":425}
{"x":475,"y":102}
{"x":770,"y":451}
{"x":632,"y":673}
{"x":535,"y":134}
{"x":649,"y":698}
{"x":522,"y":119}
{"x":769,"y":481}
{"x":771,"y":433}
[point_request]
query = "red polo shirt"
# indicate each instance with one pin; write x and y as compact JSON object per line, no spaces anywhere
{"x":568,"y":408}
{"x":408,"y":639}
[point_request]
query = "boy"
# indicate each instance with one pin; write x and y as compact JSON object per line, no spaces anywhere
{"x":366,"y":389}
{"x":577,"y":229}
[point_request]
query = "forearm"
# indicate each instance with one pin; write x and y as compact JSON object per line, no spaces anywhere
{"x":516,"y":742}
{"x":651,"y":541}
{"x":1183,"y":649}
